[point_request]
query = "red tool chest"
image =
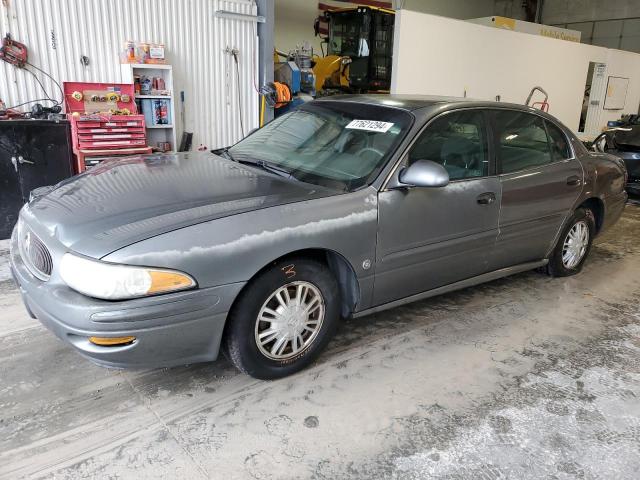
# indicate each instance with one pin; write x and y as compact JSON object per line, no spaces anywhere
{"x":100,"y":125}
{"x":113,"y":131}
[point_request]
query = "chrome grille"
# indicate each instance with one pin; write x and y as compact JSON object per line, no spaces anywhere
{"x":34,"y":253}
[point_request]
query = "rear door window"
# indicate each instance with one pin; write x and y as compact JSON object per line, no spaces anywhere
{"x":522,"y":141}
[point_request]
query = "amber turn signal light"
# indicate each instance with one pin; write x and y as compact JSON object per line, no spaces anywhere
{"x":166,"y":281}
{"x":111,"y":341}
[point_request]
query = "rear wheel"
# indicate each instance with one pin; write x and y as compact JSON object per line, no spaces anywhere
{"x":574,"y":244}
{"x":283,"y":319}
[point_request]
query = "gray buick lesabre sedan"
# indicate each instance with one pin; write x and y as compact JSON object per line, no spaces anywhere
{"x":347,"y":206}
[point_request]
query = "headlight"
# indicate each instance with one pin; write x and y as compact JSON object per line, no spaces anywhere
{"x":111,"y":281}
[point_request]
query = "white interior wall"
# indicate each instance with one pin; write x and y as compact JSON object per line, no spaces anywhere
{"x":294,"y":24}
{"x":623,"y":64}
{"x":441,"y":56}
{"x":58,"y":32}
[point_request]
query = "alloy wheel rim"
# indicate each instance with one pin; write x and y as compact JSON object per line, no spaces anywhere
{"x":289,"y":320}
{"x":575,"y":244}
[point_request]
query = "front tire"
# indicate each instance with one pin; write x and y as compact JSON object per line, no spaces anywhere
{"x":574,"y":244}
{"x":283,"y":319}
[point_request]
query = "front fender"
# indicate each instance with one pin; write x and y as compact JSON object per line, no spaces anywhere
{"x":233,"y":249}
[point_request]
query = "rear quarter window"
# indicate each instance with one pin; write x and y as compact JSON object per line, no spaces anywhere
{"x":559,"y":144}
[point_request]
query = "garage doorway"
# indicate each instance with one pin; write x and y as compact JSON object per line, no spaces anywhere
{"x":594,"y":90}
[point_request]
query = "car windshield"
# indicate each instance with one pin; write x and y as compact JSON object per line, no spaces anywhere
{"x":340,"y":145}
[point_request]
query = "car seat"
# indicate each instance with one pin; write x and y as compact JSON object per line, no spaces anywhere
{"x":462,"y":157}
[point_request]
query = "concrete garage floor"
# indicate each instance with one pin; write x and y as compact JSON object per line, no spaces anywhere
{"x":523,"y":378}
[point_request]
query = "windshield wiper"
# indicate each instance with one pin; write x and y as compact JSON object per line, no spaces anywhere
{"x":269,"y":167}
{"x":223,"y":151}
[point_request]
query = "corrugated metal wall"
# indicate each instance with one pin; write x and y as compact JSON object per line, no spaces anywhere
{"x":59,"y":32}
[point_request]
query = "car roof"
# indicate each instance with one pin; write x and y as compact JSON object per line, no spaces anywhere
{"x":415,"y":102}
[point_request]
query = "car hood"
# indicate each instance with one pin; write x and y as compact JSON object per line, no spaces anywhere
{"x":121,"y":202}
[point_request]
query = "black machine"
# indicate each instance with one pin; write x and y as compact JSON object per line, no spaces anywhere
{"x":33,"y":153}
{"x":365,"y":35}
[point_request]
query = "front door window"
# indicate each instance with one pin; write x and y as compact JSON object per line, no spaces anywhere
{"x":458,"y":141}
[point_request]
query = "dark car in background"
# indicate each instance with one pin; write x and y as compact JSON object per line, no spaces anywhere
{"x":623,"y":141}
{"x":344,"y":207}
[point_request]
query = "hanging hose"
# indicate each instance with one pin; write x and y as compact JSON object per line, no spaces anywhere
{"x":235,"y":52}
{"x":276,"y":94}
{"x":283,"y":94}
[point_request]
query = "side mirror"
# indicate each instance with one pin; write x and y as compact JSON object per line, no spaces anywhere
{"x":423,"y":173}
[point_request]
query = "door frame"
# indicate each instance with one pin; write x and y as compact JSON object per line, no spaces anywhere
{"x":596,"y":100}
{"x":491,"y":175}
{"x":573,"y":157}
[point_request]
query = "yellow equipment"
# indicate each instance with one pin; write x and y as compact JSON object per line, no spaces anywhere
{"x":359,"y":47}
{"x":332,"y":72}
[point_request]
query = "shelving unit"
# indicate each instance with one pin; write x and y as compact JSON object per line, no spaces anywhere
{"x":155,"y":133}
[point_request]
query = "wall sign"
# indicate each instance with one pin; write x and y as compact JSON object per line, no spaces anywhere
{"x":616,"y":93}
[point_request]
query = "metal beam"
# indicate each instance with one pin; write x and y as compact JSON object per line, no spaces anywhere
{"x":266,"y":9}
{"x":239,"y":16}
{"x":539,"y":7}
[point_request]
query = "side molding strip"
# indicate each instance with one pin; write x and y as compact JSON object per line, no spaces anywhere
{"x":469,"y":282}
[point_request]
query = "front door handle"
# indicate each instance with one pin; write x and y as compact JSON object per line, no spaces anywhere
{"x":22,"y":160}
{"x":573,"y":180}
{"x":486,"y":198}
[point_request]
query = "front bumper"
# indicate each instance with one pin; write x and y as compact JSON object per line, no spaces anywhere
{"x":172,"y":329}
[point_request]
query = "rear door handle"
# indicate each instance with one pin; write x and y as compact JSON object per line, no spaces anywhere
{"x":573,"y":180}
{"x":486,"y":198}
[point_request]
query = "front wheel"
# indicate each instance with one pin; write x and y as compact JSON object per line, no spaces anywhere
{"x":574,"y":244}
{"x":283,"y":319}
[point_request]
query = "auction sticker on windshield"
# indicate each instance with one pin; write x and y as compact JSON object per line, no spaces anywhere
{"x":369,"y":125}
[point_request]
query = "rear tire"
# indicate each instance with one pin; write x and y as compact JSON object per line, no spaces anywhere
{"x":283,"y":319}
{"x":574,"y":244}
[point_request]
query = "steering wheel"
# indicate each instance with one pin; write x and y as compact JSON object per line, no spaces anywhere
{"x":370,"y":149}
